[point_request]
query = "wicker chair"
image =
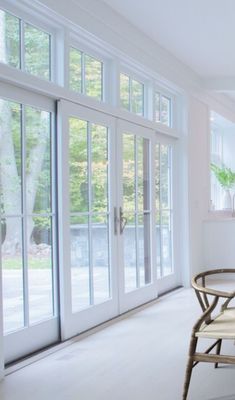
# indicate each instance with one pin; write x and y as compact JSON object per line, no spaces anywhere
{"x":218,"y":327}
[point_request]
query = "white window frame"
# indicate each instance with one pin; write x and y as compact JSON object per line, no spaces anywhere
{"x":133,"y":75}
{"x":40,"y":23}
{"x":88,"y":50}
{"x":170,"y":96}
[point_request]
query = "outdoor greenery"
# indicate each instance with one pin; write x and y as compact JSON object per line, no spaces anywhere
{"x":36,"y":51}
{"x":25,"y":148}
{"x":224,"y":175}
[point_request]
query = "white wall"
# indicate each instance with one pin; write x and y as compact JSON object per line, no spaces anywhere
{"x":218,"y":244}
{"x":198,"y":179}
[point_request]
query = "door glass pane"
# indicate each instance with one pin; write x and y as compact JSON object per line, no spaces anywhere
{"x":137,"y":97}
{"x":125,"y":91}
{"x":99,"y":157}
{"x":163,"y":210}
{"x":40,"y":282}
{"x":129,"y":183}
{"x":101,"y":262}
{"x":93,"y":77}
{"x":11,"y":207}
{"x":144,"y":249}
{"x":80,"y":270}
{"x":166,"y":243}
{"x":165,"y":177}
{"x":37,"y":52}
{"x":38,"y":160}
{"x":78,"y":165}
{"x":158,"y":245}
{"x":75,"y":70}
{"x":9,"y":39}
{"x":12,"y":274}
{"x":10,"y":157}
{"x":130,"y":261}
{"x":89,"y":199}
{"x":143,"y":197}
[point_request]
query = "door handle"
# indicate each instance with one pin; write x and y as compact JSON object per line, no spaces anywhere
{"x":116,"y":221}
{"x":122,"y":220}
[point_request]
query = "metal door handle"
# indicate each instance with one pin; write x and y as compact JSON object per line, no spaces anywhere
{"x":116,"y":221}
{"x":122,"y":220}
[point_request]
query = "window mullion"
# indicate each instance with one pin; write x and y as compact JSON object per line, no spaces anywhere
{"x":130,"y":94}
{"x":83,"y":77}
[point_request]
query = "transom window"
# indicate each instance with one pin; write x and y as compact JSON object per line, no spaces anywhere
{"x":163,"y":106}
{"x":85,"y":74}
{"x":24,"y":46}
{"x":131,"y":94}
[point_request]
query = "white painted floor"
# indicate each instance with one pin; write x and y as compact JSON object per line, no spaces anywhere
{"x":141,"y":357}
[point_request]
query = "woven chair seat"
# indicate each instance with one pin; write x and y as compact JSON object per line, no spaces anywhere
{"x":222,"y":327}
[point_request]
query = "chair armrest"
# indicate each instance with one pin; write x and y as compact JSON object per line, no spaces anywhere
{"x":209,"y":291}
{"x":213,"y":292}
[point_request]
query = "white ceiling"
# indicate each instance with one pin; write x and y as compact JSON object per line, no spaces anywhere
{"x":200,"y":33}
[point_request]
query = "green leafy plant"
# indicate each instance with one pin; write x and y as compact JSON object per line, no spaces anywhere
{"x":224,"y":175}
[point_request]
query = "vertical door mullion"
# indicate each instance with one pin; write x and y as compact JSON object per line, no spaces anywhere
{"x":109,"y":209}
{"x":64,"y":219}
{"x":24,"y":220}
{"x":153,"y":219}
{"x":91,"y":272}
{"x":160,"y":207}
{"x":136,"y":211}
{"x":54,"y":223}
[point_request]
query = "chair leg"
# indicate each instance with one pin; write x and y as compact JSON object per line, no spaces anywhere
{"x":192,"y":348}
{"x":218,"y":348}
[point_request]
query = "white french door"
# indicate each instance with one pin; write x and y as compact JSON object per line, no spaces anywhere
{"x":115,"y":216}
{"x":88,"y":249}
{"x":28,"y":223}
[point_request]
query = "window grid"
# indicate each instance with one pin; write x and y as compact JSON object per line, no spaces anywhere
{"x":83,"y":74}
{"x":131,"y":98}
{"x":21,"y":46}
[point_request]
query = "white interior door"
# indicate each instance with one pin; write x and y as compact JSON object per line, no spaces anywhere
{"x":87,"y":232}
{"x":28,"y":242}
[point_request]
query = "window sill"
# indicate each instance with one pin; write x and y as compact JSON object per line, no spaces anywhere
{"x":221,"y":215}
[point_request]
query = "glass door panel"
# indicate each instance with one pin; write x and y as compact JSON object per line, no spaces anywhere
{"x":88,"y":164}
{"x":136,"y":209}
{"x":164,"y":210}
{"x":89,"y":201}
{"x":27,"y":225}
{"x":135,"y":215}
